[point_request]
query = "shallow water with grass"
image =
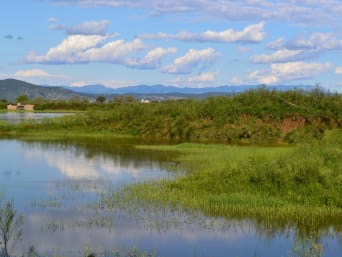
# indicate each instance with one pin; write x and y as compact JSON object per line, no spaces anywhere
{"x":71,"y":194}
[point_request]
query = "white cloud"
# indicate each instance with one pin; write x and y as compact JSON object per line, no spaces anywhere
{"x":39,"y":77}
{"x":96,"y":48}
{"x":52,"y":19}
{"x":300,"y":48}
{"x":313,"y":13}
{"x":276,"y":44}
{"x":37,"y":73}
{"x":88,"y":48}
{"x":251,"y":34}
{"x":205,"y":77}
{"x":317,"y":41}
{"x":152,"y":60}
{"x":284,"y":72}
{"x":81,"y":83}
{"x":270,"y":79}
{"x":85,"y":28}
{"x":338,"y":70}
{"x":32,"y":73}
{"x":69,"y":50}
{"x":193,"y":59}
{"x":282,"y":55}
{"x":107,"y":83}
{"x":236,"y":81}
{"x":112,"y":52}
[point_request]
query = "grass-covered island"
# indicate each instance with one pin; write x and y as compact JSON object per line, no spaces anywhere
{"x":274,"y":157}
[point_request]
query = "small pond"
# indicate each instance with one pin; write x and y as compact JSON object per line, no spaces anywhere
{"x":55,"y":184}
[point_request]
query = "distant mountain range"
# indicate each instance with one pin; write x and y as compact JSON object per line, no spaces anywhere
{"x":161,"y":89}
{"x":10,"y":89}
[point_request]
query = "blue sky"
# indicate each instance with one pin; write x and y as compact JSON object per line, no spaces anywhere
{"x":187,"y":43}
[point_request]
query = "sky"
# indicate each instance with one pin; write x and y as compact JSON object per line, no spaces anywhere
{"x":185,"y":43}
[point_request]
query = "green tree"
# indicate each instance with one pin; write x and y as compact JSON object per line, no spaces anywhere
{"x":22,"y":99}
{"x":3,"y":103}
{"x":100,"y":99}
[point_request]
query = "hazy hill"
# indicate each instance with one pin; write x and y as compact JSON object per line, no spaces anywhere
{"x":10,"y":89}
{"x":162,"y":89}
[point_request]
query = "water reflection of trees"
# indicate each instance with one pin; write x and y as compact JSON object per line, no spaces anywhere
{"x":121,"y":151}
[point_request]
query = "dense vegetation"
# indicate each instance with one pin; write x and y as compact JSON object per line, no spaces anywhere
{"x":256,"y":116}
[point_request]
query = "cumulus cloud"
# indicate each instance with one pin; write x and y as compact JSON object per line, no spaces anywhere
{"x":77,"y":49}
{"x":88,"y":48}
{"x":152,"y":59}
{"x":192,"y":60}
{"x":317,"y":41}
{"x":282,"y":55}
{"x":338,"y":70}
{"x":300,"y":48}
{"x":284,"y":72}
{"x":251,"y":34}
{"x":85,"y":28}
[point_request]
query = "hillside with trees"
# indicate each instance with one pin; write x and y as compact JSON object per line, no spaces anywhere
{"x":10,"y":89}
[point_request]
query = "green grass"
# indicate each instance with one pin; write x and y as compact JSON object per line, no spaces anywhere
{"x":275,"y":186}
{"x":3,"y":122}
{"x":254,"y":117}
{"x":42,"y":135}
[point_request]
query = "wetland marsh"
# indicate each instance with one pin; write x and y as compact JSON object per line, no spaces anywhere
{"x":256,"y":174}
{"x":62,"y":189}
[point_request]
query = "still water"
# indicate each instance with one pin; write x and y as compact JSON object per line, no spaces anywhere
{"x":54,"y":184}
{"x":17,"y":117}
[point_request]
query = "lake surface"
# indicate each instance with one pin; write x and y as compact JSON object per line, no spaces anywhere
{"x":17,"y":117}
{"x":55,"y":184}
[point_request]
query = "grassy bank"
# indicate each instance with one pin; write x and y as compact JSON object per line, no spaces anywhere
{"x":254,"y":117}
{"x":276,"y":186}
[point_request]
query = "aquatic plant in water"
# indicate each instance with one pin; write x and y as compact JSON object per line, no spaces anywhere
{"x":10,"y":228}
